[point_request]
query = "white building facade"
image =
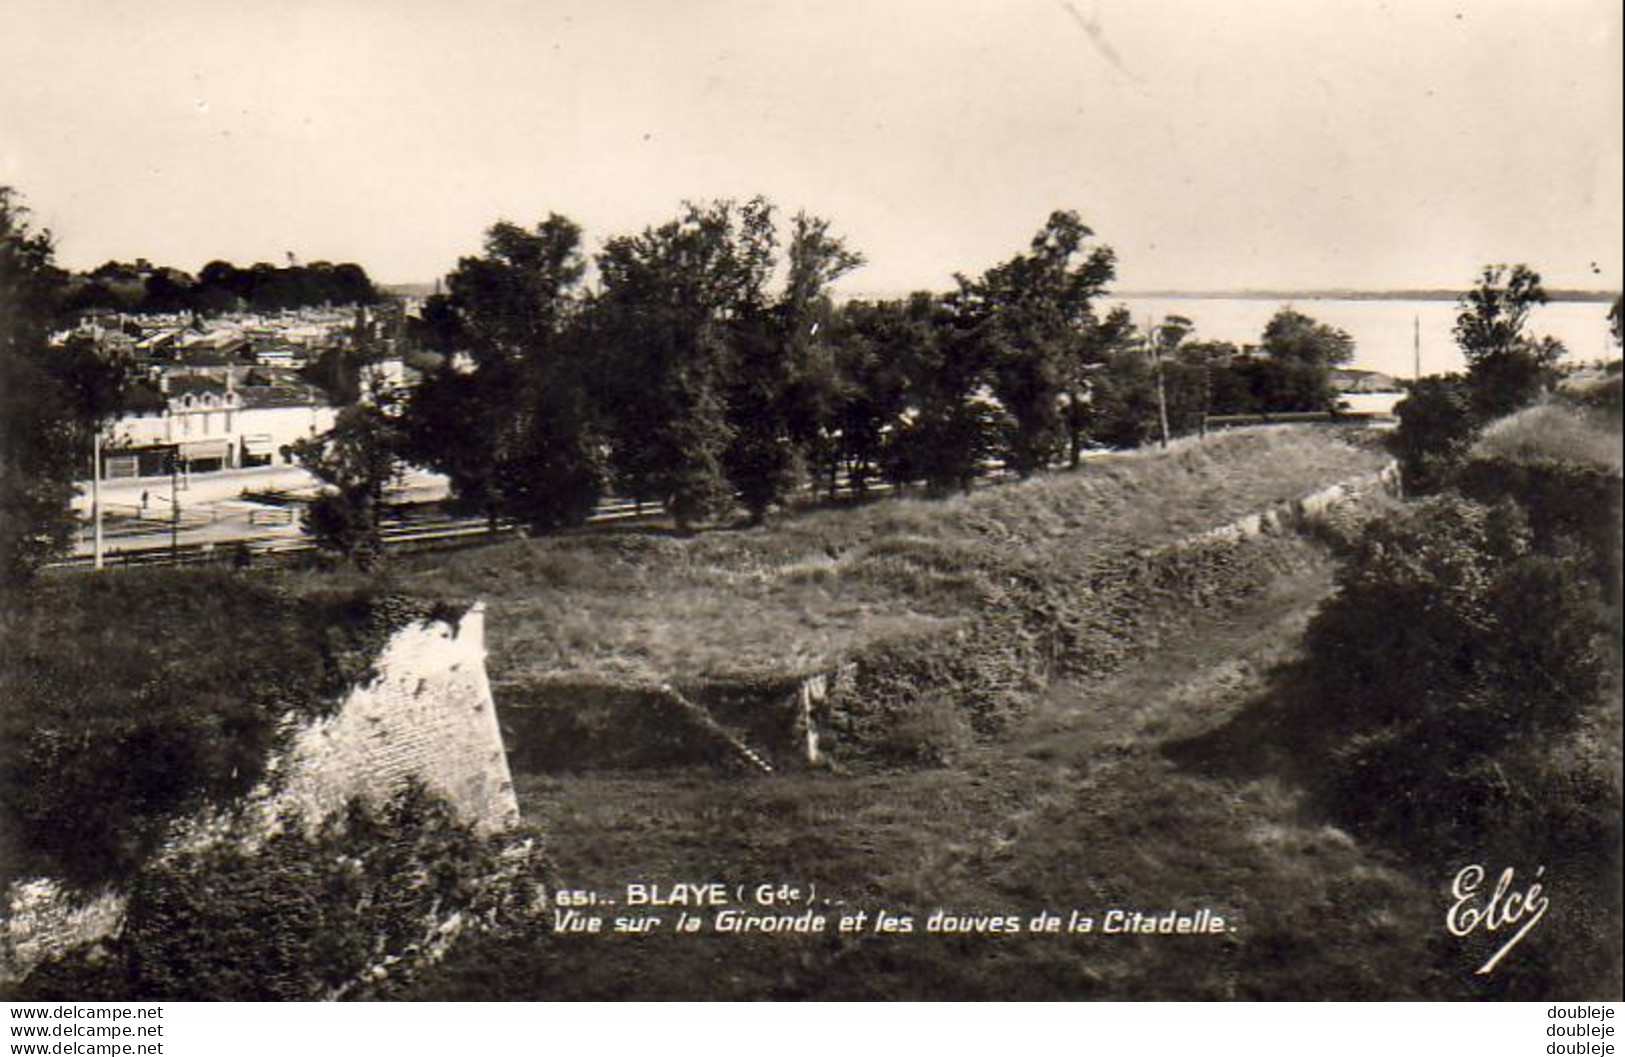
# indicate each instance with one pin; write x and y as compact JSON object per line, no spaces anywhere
{"x":206,"y":424}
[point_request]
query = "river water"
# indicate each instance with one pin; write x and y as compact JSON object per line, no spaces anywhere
{"x":1382,"y":330}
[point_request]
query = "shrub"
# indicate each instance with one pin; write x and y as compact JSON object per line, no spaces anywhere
{"x":1431,"y":673}
{"x":311,"y":913}
{"x":1437,"y":427}
{"x":1606,"y":396}
{"x":1571,"y":506}
{"x":195,"y":672}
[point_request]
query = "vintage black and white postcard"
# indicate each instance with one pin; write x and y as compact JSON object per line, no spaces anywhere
{"x":959,"y":500}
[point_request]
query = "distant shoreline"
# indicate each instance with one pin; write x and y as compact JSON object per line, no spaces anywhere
{"x":1555,"y":295}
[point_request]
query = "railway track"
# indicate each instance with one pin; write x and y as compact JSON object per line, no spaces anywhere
{"x":405,"y":531}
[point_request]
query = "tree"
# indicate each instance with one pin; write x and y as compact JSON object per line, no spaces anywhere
{"x":554,"y":469}
{"x":1301,"y":353}
{"x":514,"y":428}
{"x":869,"y":394}
{"x":949,"y":423}
{"x":356,"y":460}
{"x":1507,"y":368}
{"x":1292,"y":336}
{"x":1437,"y":427}
{"x":1124,"y":411}
{"x":1034,"y":315}
{"x":1131,"y":391}
{"x":1103,"y":341}
{"x":759,"y":368}
{"x":51,"y":401}
{"x":677,"y":301}
{"x":1188,"y":383}
{"x":781,"y":389}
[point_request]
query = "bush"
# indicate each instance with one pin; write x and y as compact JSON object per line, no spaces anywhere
{"x":195,"y":672}
{"x":1571,"y":506}
{"x":312,"y":913}
{"x":1437,"y":427}
{"x":1431,"y":672}
{"x":1606,"y":396}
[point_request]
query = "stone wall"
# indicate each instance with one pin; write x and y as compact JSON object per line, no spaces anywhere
{"x":1299,"y":514}
{"x":42,"y":921}
{"x":426,"y":713}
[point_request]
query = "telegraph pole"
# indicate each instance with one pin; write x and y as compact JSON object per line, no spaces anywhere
{"x":174,"y":508}
{"x":96,"y":494}
{"x":1416,"y":347}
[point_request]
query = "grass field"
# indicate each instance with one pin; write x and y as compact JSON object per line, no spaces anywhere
{"x":1141,"y":787}
{"x":1104,"y":785}
{"x":1122,"y":793}
{"x":813,"y":587}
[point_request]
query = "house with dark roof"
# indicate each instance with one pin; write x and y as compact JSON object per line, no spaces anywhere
{"x":206,"y":421}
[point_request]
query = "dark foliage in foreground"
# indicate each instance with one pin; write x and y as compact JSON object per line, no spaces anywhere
{"x":50,"y":401}
{"x":1464,"y":685}
{"x":127,"y":700}
{"x":312,"y":913}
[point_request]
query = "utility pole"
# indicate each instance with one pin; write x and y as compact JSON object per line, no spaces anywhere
{"x":96,"y":493}
{"x":174,"y":508}
{"x":1416,"y":347}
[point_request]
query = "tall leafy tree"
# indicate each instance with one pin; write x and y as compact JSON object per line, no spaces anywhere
{"x":950,"y":422}
{"x":508,"y":416}
{"x":676,"y":301}
{"x":868,"y":395}
{"x":1034,"y":313}
{"x":1507,"y":367}
{"x":51,"y":400}
{"x":355,"y":460}
{"x":783,"y":383}
{"x":1104,"y":340}
{"x":1290,"y":335}
{"x":1300,"y":353}
{"x":1124,"y":411}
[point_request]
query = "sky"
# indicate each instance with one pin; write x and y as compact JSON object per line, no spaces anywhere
{"x":1213,"y":145}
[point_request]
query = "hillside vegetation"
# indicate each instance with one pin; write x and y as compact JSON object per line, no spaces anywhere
{"x":130,"y":699}
{"x":1315,"y":759}
{"x":1458,"y":701}
{"x":812,"y":589}
{"x":955,"y":611}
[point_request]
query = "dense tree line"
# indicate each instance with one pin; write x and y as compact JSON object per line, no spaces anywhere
{"x":708,"y":368}
{"x":219,"y":287}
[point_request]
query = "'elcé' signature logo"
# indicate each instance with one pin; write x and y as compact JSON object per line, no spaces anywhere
{"x":1501,"y":908}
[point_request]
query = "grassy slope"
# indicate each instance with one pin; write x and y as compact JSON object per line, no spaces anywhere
{"x":1553,"y":431}
{"x":1106,"y":795}
{"x":814,"y":588}
{"x":131,"y":698}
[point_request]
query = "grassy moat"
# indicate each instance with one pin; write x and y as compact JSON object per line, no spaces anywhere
{"x":1068,"y":701}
